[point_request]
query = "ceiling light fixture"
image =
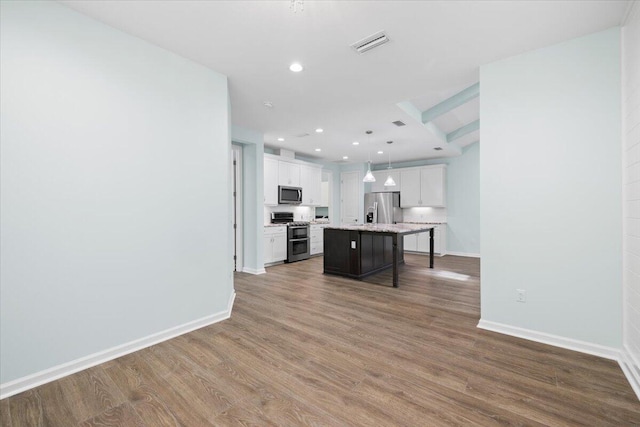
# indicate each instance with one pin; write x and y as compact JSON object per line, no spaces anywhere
{"x":369,"y":176}
{"x":380,"y":152}
{"x":296,"y":67}
{"x":389,"y":182}
{"x":318,"y":149}
{"x":319,"y":130}
{"x":268,"y":104}
{"x":345,"y":157}
{"x":355,"y":143}
{"x":280,"y":139}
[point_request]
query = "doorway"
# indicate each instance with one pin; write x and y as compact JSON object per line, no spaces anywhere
{"x":350,"y":197}
{"x":236,"y":191}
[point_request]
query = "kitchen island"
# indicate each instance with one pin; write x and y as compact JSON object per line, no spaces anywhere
{"x":358,"y":251}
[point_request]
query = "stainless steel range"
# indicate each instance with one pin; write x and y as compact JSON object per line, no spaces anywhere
{"x":298,"y":244}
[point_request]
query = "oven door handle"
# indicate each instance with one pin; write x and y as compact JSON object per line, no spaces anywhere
{"x":297,"y":240}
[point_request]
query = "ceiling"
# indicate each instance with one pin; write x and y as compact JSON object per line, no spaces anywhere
{"x":435,"y":51}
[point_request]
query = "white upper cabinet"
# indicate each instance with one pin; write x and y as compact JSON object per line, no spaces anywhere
{"x":432,"y":185}
{"x":424,"y":186}
{"x":311,"y":182}
{"x":381,"y":177}
{"x":410,"y":188}
{"x":270,"y":181}
{"x":288,"y":174}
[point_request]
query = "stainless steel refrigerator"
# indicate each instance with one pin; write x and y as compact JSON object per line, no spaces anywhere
{"x":382,"y":208}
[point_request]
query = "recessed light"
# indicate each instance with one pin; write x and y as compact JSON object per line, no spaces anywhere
{"x":280,"y":139}
{"x":355,"y":143}
{"x":296,"y":67}
{"x":268,"y":104}
{"x":318,"y":149}
{"x":319,"y":130}
{"x":345,"y":157}
{"x":380,"y":152}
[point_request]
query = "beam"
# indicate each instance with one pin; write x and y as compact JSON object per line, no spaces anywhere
{"x":464,"y":130}
{"x":415,"y":114}
{"x":450,"y":103}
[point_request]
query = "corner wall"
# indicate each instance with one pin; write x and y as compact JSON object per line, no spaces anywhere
{"x":631,"y":195}
{"x":114,"y":194}
{"x":550,"y":180}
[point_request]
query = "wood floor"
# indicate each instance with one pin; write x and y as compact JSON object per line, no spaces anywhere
{"x":302,"y":348}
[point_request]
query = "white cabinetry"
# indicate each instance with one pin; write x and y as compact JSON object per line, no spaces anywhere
{"x":424,"y":186}
{"x":311,"y":181}
{"x":381,"y":177}
{"x":270,"y":181}
{"x":420,"y":242}
{"x":288,"y":174}
{"x":275,"y":244}
{"x":317,"y":238}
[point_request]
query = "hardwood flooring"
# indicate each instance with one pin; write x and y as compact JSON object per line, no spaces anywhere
{"x":303,"y":348}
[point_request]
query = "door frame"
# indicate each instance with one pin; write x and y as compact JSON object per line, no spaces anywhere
{"x":238,"y":210}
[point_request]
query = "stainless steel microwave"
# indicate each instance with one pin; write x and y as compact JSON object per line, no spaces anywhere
{"x":289,"y":195}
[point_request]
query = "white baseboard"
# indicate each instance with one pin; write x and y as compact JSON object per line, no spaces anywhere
{"x":631,"y":370}
{"x":467,"y":254}
{"x":254,"y":270}
{"x":555,"y":340}
{"x":30,"y":381}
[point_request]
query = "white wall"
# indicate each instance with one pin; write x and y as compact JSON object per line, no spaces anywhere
{"x":550,"y":180}
{"x":631,"y":195}
{"x":114,"y":185}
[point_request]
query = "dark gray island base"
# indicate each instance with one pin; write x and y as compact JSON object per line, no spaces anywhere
{"x":358,"y":251}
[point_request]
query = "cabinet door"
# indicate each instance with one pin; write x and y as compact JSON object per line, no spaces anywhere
{"x":409,"y":188}
{"x":270,"y":181}
{"x":268,"y":248}
{"x":410,"y":242}
{"x":432,"y":184}
{"x":279,"y":247}
{"x":288,"y":174}
{"x":310,"y":181}
{"x":423,"y":242}
{"x":324,"y":194}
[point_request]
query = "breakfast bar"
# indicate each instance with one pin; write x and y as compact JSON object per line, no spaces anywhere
{"x":358,"y":251}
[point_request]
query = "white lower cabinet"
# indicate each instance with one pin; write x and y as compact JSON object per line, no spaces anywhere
{"x":420,"y":242}
{"x":317,"y":238}
{"x":275,"y":244}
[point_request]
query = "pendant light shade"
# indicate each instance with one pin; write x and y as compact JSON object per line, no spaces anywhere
{"x":369,"y":176}
{"x":389,"y":182}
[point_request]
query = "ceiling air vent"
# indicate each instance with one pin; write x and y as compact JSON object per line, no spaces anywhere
{"x":399,"y":123}
{"x":302,"y":135}
{"x":370,"y":42}
{"x":438,"y":148}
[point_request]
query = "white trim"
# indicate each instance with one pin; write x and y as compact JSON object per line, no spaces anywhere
{"x":30,"y":381}
{"x":627,"y":14}
{"x":467,"y":254}
{"x":555,"y":340}
{"x":629,"y":367}
{"x":254,"y":270}
{"x":239,"y":208}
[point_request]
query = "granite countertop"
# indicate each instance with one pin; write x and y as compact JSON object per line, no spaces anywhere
{"x":426,"y":222}
{"x":402,"y":228}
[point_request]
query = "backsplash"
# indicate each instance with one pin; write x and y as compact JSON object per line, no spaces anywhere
{"x":424,"y":214}
{"x":300,"y":213}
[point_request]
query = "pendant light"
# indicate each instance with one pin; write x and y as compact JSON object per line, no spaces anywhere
{"x":369,"y":176}
{"x":389,"y":182}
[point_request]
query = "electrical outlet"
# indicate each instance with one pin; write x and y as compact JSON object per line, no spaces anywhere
{"x":353,"y":244}
{"x":522,"y":295}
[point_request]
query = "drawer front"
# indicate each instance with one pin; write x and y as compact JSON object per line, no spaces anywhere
{"x":275,"y":230}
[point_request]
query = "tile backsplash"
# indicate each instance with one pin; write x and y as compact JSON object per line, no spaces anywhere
{"x":424,"y":214}
{"x":300,"y":213}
